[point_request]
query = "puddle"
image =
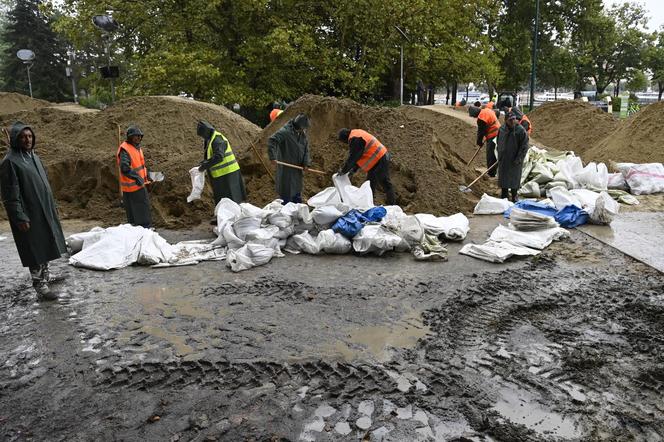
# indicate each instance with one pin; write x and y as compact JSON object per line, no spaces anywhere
{"x":379,"y":340}
{"x":170,"y":302}
{"x":521,"y":407}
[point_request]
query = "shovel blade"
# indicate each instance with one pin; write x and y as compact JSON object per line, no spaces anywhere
{"x":465,"y":189}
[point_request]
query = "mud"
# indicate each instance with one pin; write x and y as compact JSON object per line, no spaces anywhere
{"x":566,"y":346}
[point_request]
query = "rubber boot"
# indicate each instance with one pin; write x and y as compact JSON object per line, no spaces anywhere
{"x":40,"y":284}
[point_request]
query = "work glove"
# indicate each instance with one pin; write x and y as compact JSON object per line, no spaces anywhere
{"x":201,"y":167}
{"x":480,"y":144}
{"x":139,"y":181}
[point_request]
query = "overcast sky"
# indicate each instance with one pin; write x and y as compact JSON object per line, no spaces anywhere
{"x":655,"y":9}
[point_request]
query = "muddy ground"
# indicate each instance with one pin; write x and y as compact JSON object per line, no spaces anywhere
{"x":567,"y":346}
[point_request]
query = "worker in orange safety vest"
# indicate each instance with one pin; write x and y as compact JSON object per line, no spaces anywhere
{"x":371,"y":156}
{"x":134,"y":179}
{"x":487,"y":130}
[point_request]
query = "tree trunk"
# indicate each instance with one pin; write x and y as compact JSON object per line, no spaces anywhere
{"x":661,"y":89}
{"x":555,"y":92}
{"x":616,"y":91}
{"x":454,"y":93}
{"x":447,"y":97}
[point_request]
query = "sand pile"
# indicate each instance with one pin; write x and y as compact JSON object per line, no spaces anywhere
{"x":571,"y":125}
{"x":428,"y":153}
{"x":11,"y":102}
{"x":639,"y":139}
{"x":79,"y":152}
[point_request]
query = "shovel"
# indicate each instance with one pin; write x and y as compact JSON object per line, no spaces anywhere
{"x":301,"y":168}
{"x":466,"y":189}
{"x":474,"y":155}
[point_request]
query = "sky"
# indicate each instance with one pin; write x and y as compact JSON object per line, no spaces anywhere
{"x":655,"y":9}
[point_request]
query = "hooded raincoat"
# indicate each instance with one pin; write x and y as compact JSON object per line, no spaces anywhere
{"x":27,"y":197}
{"x":512,"y":149}
{"x":289,"y":146}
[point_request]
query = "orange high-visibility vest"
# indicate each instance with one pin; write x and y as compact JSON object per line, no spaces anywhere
{"x":373,"y":149}
{"x":274,"y":114}
{"x":489,"y":117}
{"x":526,"y":119}
{"x":137,"y":165}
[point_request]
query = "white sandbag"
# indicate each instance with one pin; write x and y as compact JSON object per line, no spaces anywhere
{"x":644,"y":179}
{"x":248,"y":256}
{"x":606,"y":209}
{"x":245,"y":225}
{"x":538,"y":239}
{"x":328,"y":214}
{"x":121,"y":246}
{"x":280,"y":219}
{"x":333,"y":243}
{"x":193,"y":252}
{"x":306,"y":243}
{"x":77,"y":241}
{"x":494,"y":251}
{"x":298,"y":212}
{"x":197,"y":184}
{"x":226,"y":211}
{"x":541,"y":173}
{"x":567,"y":170}
{"x":393,"y":216}
{"x":530,"y":190}
{"x":251,"y":210}
{"x":562,"y":197}
{"x":356,"y":198}
{"x":454,"y":228}
{"x":587,"y":198}
{"x":230,"y":238}
{"x":262,"y":234}
{"x":374,"y":238}
{"x":617,"y":181}
{"x":325,"y":197}
{"x":489,"y":205}
{"x":593,"y":177}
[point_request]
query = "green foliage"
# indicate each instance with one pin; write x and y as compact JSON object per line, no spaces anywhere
{"x":637,"y":81}
{"x":655,"y":61}
{"x":28,"y":27}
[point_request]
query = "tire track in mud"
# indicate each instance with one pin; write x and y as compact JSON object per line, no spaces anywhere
{"x":586,"y":342}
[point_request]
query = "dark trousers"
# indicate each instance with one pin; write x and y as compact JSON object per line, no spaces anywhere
{"x":503,"y":193}
{"x":297,"y":198}
{"x":380,"y":174}
{"x":137,"y":207}
{"x":491,"y":156}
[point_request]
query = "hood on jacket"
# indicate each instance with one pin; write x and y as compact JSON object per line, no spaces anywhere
{"x":204,"y":130}
{"x":15,"y":131}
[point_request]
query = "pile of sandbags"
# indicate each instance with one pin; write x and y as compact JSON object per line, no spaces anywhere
{"x":544,"y":170}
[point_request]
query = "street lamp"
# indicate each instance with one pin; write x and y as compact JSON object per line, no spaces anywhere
{"x":403,"y":34}
{"x":70,"y":71}
{"x":27,"y":56}
{"x":534,"y":66}
{"x":107,"y":25}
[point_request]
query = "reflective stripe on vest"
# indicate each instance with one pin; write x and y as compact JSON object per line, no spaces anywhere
{"x":228,"y":164}
{"x":373,"y":149}
{"x":493,"y":125}
{"x":137,"y":165}
{"x":274,"y":114}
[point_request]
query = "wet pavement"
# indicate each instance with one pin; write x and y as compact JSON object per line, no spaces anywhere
{"x":636,"y":234}
{"x":565,"y":346}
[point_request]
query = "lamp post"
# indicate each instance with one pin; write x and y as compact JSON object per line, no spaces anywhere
{"x":27,"y":57}
{"x":533,"y":70}
{"x":107,"y":25}
{"x":403,"y":34}
{"x":70,"y":72}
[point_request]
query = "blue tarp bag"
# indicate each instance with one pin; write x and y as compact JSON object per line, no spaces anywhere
{"x":571,"y":216}
{"x":351,"y":223}
{"x":532,"y":206}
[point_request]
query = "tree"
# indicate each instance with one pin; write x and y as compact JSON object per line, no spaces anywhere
{"x":607,"y":44}
{"x":655,"y":61}
{"x":556,"y":68}
{"x":29,"y":28}
{"x":636,"y":81}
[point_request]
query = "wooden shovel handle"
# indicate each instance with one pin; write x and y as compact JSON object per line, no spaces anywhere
{"x":300,"y":167}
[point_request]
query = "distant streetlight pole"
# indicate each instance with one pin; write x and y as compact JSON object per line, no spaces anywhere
{"x":533,"y":70}
{"x":403,"y":34}
{"x":27,"y":57}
